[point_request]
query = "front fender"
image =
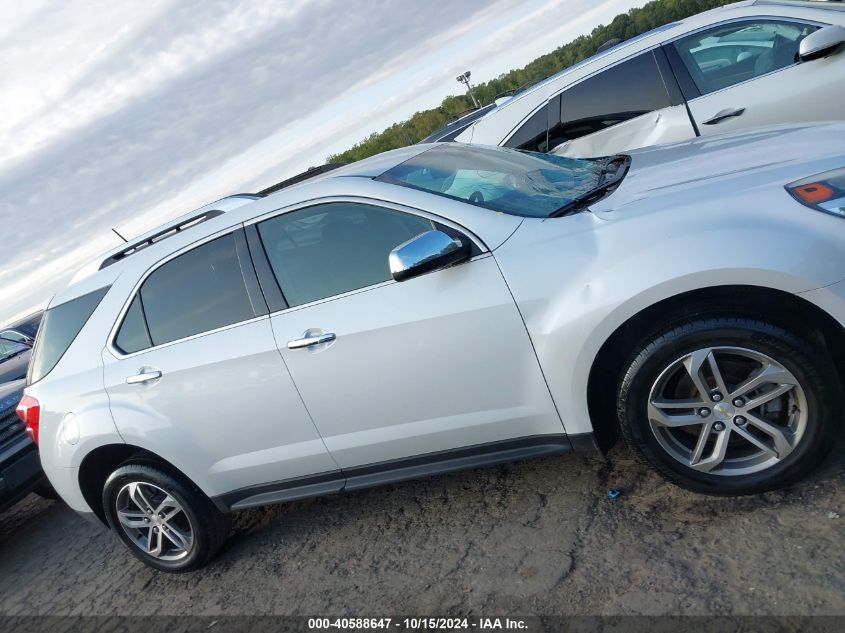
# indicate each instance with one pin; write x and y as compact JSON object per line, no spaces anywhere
{"x":577,"y":279}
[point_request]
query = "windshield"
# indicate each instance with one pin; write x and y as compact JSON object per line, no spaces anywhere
{"x":9,"y":348}
{"x":527,"y":184}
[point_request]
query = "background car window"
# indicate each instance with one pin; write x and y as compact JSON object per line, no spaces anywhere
{"x":198,"y":291}
{"x":334,"y":248}
{"x":12,"y":335}
{"x":728,"y":55}
{"x":622,"y":92}
{"x":532,"y":135}
{"x":10,"y":348}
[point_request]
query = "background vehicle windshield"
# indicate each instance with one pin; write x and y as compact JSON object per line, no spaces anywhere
{"x":527,"y":184}
{"x":9,"y":348}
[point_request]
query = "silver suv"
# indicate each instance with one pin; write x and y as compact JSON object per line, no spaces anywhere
{"x":444,"y":307}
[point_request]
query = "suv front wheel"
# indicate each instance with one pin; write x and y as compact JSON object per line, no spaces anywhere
{"x":165,"y":523}
{"x":730,"y":406}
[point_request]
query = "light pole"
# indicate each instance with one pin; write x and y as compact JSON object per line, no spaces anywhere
{"x":464,"y":79}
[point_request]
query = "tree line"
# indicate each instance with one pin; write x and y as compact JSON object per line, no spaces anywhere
{"x":623,"y":27}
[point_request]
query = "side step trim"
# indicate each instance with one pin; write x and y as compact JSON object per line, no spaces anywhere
{"x":394,"y":471}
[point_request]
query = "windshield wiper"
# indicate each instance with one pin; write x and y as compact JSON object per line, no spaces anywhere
{"x":613,"y":171}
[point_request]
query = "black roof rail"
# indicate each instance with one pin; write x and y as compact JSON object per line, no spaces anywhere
{"x":170,"y":231}
{"x":293,"y":180}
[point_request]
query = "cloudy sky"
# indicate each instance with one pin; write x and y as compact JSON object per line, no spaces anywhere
{"x":125,"y":115}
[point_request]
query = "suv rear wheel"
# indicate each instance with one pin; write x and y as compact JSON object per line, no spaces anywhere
{"x":165,"y":523}
{"x":730,"y":406}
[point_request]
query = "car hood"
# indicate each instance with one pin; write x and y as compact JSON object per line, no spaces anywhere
{"x":14,"y":368}
{"x":717,"y":166}
{"x":10,"y":394}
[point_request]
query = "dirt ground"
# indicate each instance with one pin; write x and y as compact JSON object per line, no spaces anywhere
{"x":538,"y":537}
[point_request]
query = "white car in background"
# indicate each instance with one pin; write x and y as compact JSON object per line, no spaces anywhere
{"x":747,"y":64}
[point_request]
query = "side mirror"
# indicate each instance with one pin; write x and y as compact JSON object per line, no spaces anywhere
{"x":427,"y":251}
{"x":826,"y":41}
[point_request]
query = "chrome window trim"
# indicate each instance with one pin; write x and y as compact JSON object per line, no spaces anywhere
{"x":667,"y":42}
{"x":394,"y":206}
{"x":111,"y":345}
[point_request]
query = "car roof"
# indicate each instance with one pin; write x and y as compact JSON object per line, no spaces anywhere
{"x":215,"y":217}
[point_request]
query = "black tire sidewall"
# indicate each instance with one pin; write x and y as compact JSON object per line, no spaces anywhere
{"x":206,"y":521}
{"x":807,"y":362}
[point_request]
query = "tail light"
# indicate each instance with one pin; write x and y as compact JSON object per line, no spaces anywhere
{"x":29,"y":411}
{"x":823,"y":192}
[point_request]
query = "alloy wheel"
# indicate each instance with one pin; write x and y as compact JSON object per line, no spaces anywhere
{"x":155,"y":521}
{"x":727,"y":411}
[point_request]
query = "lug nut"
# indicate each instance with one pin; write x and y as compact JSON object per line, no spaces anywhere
{"x":161,"y":515}
{"x":149,"y":511}
{"x":739,"y":420}
{"x":716,"y":396}
{"x":155,"y":530}
{"x":718,"y":426}
{"x":704,"y":412}
{"x":738,"y":402}
{"x":146,"y":520}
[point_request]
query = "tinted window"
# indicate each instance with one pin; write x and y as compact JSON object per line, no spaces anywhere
{"x":727,"y":55}
{"x":11,"y":347}
{"x":198,"y":291}
{"x":59,"y":328}
{"x":12,"y":335}
{"x":531,"y":135}
{"x":511,"y":181}
{"x":615,"y":95}
{"x":330,"y":249}
{"x":133,"y":335}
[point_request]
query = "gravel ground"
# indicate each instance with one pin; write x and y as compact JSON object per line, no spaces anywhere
{"x":538,"y":537}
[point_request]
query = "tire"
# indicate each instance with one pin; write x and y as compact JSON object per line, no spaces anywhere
{"x":763,"y":448}
{"x":183,"y":533}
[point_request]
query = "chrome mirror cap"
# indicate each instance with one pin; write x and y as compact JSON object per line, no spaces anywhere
{"x":826,"y":41}
{"x":427,"y":251}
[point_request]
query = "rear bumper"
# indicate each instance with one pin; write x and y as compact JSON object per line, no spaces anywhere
{"x":20,"y":473}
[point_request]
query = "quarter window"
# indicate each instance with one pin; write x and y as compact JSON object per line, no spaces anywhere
{"x":59,"y":328}
{"x":334,"y":248}
{"x":133,"y":335}
{"x":196,"y":292}
{"x":728,"y":55}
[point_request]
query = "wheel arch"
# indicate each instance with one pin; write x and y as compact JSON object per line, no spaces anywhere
{"x":775,"y":306}
{"x":103,"y":460}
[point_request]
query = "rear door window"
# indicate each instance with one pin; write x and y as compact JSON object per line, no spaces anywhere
{"x":59,"y":328}
{"x":196,"y":292}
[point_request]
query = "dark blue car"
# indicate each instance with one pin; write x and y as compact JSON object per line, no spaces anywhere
{"x":20,"y":466}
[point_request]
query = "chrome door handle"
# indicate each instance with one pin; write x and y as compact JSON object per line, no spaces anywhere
{"x":308,"y":341}
{"x":143,"y":376}
{"x":722,"y":115}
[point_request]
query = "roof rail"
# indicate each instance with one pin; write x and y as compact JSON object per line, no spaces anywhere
{"x":311,"y":172}
{"x":149,"y":240}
